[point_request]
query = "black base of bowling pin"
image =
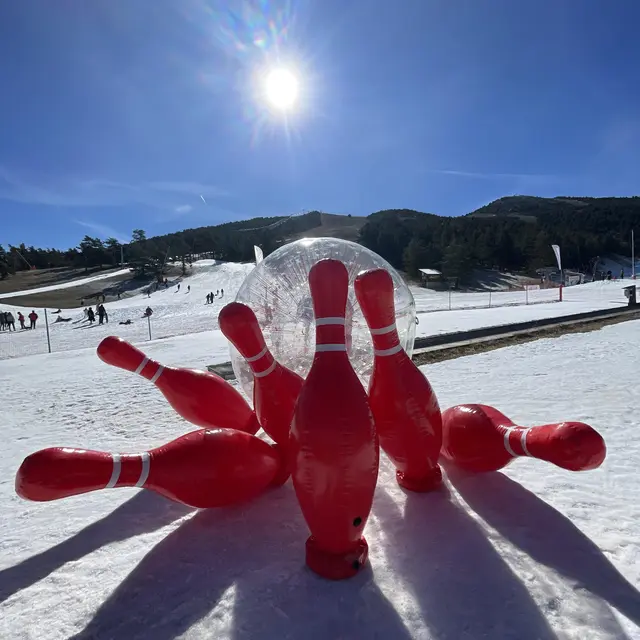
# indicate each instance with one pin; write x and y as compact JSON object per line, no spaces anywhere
{"x":336,"y":566}
{"x":425,"y":483}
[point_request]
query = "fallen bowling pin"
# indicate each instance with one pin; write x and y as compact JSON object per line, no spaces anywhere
{"x":479,"y":438}
{"x":405,"y":407}
{"x":202,"y":469}
{"x":334,"y":447}
{"x":275,"y":387}
{"x":200,"y":397}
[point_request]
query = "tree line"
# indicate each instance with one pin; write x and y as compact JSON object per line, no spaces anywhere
{"x":511,"y":234}
{"x":232,"y":241}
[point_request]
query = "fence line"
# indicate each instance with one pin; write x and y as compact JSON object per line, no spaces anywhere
{"x":68,"y":334}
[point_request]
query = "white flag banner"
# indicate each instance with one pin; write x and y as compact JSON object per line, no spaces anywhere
{"x":556,"y":250}
{"x":259,"y":255}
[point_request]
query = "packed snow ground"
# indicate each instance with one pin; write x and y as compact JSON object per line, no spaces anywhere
{"x":533,"y":552}
{"x":183,"y":312}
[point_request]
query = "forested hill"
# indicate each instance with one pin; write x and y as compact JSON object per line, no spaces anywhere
{"x":512,"y":233}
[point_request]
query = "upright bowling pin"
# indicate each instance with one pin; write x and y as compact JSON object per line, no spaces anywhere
{"x":202,"y":469}
{"x":275,"y":388}
{"x":334,"y":444}
{"x":476,"y":437}
{"x":200,"y":397}
{"x":405,"y":408}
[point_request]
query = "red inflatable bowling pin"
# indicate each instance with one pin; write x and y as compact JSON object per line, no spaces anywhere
{"x":476,"y":437}
{"x":405,"y":408}
{"x":334,"y":444}
{"x":275,"y":388}
{"x":204,"y":468}
{"x":200,"y":397}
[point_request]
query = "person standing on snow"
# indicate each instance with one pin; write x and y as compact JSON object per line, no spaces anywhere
{"x":21,"y":320}
{"x":33,"y":316}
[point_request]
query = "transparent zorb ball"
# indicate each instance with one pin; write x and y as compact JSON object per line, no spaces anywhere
{"x":278,"y":292}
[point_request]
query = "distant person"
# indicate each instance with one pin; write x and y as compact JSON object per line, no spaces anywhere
{"x":147,"y":312}
{"x":188,"y":288}
{"x":100,"y":314}
{"x":3,"y":320}
{"x":10,"y":321}
{"x":21,"y":320}
{"x":33,"y":317}
{"x":127,"y":321}
{"x":621,"y":274}
{"x":222,"y":293}
{"x":217,"y":292}
{"x":178,"y":289}
{"x":208,"y":299}
{"x":91,"y":316}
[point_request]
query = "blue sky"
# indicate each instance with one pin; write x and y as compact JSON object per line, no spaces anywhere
{"x":117,"y":114}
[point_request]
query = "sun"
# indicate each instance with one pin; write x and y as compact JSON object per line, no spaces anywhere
{"x":281,"y":89}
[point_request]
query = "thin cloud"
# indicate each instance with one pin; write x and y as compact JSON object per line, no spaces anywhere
{"x":191,"y":188}
{"x":183,"y":209}
{"x":101,"y":193}
{"x":102,"y":230}
{"x":493,"y":176}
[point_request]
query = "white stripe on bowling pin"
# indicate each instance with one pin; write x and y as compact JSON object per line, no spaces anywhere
{"x":144,"y":363}
{"x":323,"y":322}
{"x":523,"y":442}
{"x":145,"y":459}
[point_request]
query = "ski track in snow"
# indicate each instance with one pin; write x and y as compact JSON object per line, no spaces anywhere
{"x":181,"y":312}
{"x":534,"y":552}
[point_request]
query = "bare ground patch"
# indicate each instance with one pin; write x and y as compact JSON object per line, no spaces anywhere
{"x":440,"y":355}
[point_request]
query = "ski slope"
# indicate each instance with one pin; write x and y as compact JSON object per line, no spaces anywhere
{"x":66,"y":285}
{"x":533,"y":552}
{"x":183,"y":312}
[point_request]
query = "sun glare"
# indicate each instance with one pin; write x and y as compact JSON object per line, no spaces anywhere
{"x":281,"y":89}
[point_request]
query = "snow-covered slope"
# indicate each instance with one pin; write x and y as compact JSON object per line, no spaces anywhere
{"x":180,"y":312}
{"x":534,"y":552}
{"x":66,"y":285}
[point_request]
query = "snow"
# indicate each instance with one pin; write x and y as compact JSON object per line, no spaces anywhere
{"x":531,"y":552}
{"x":175,"y":312}
{"x":66,"y":285}
{"x":184,"y":312}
